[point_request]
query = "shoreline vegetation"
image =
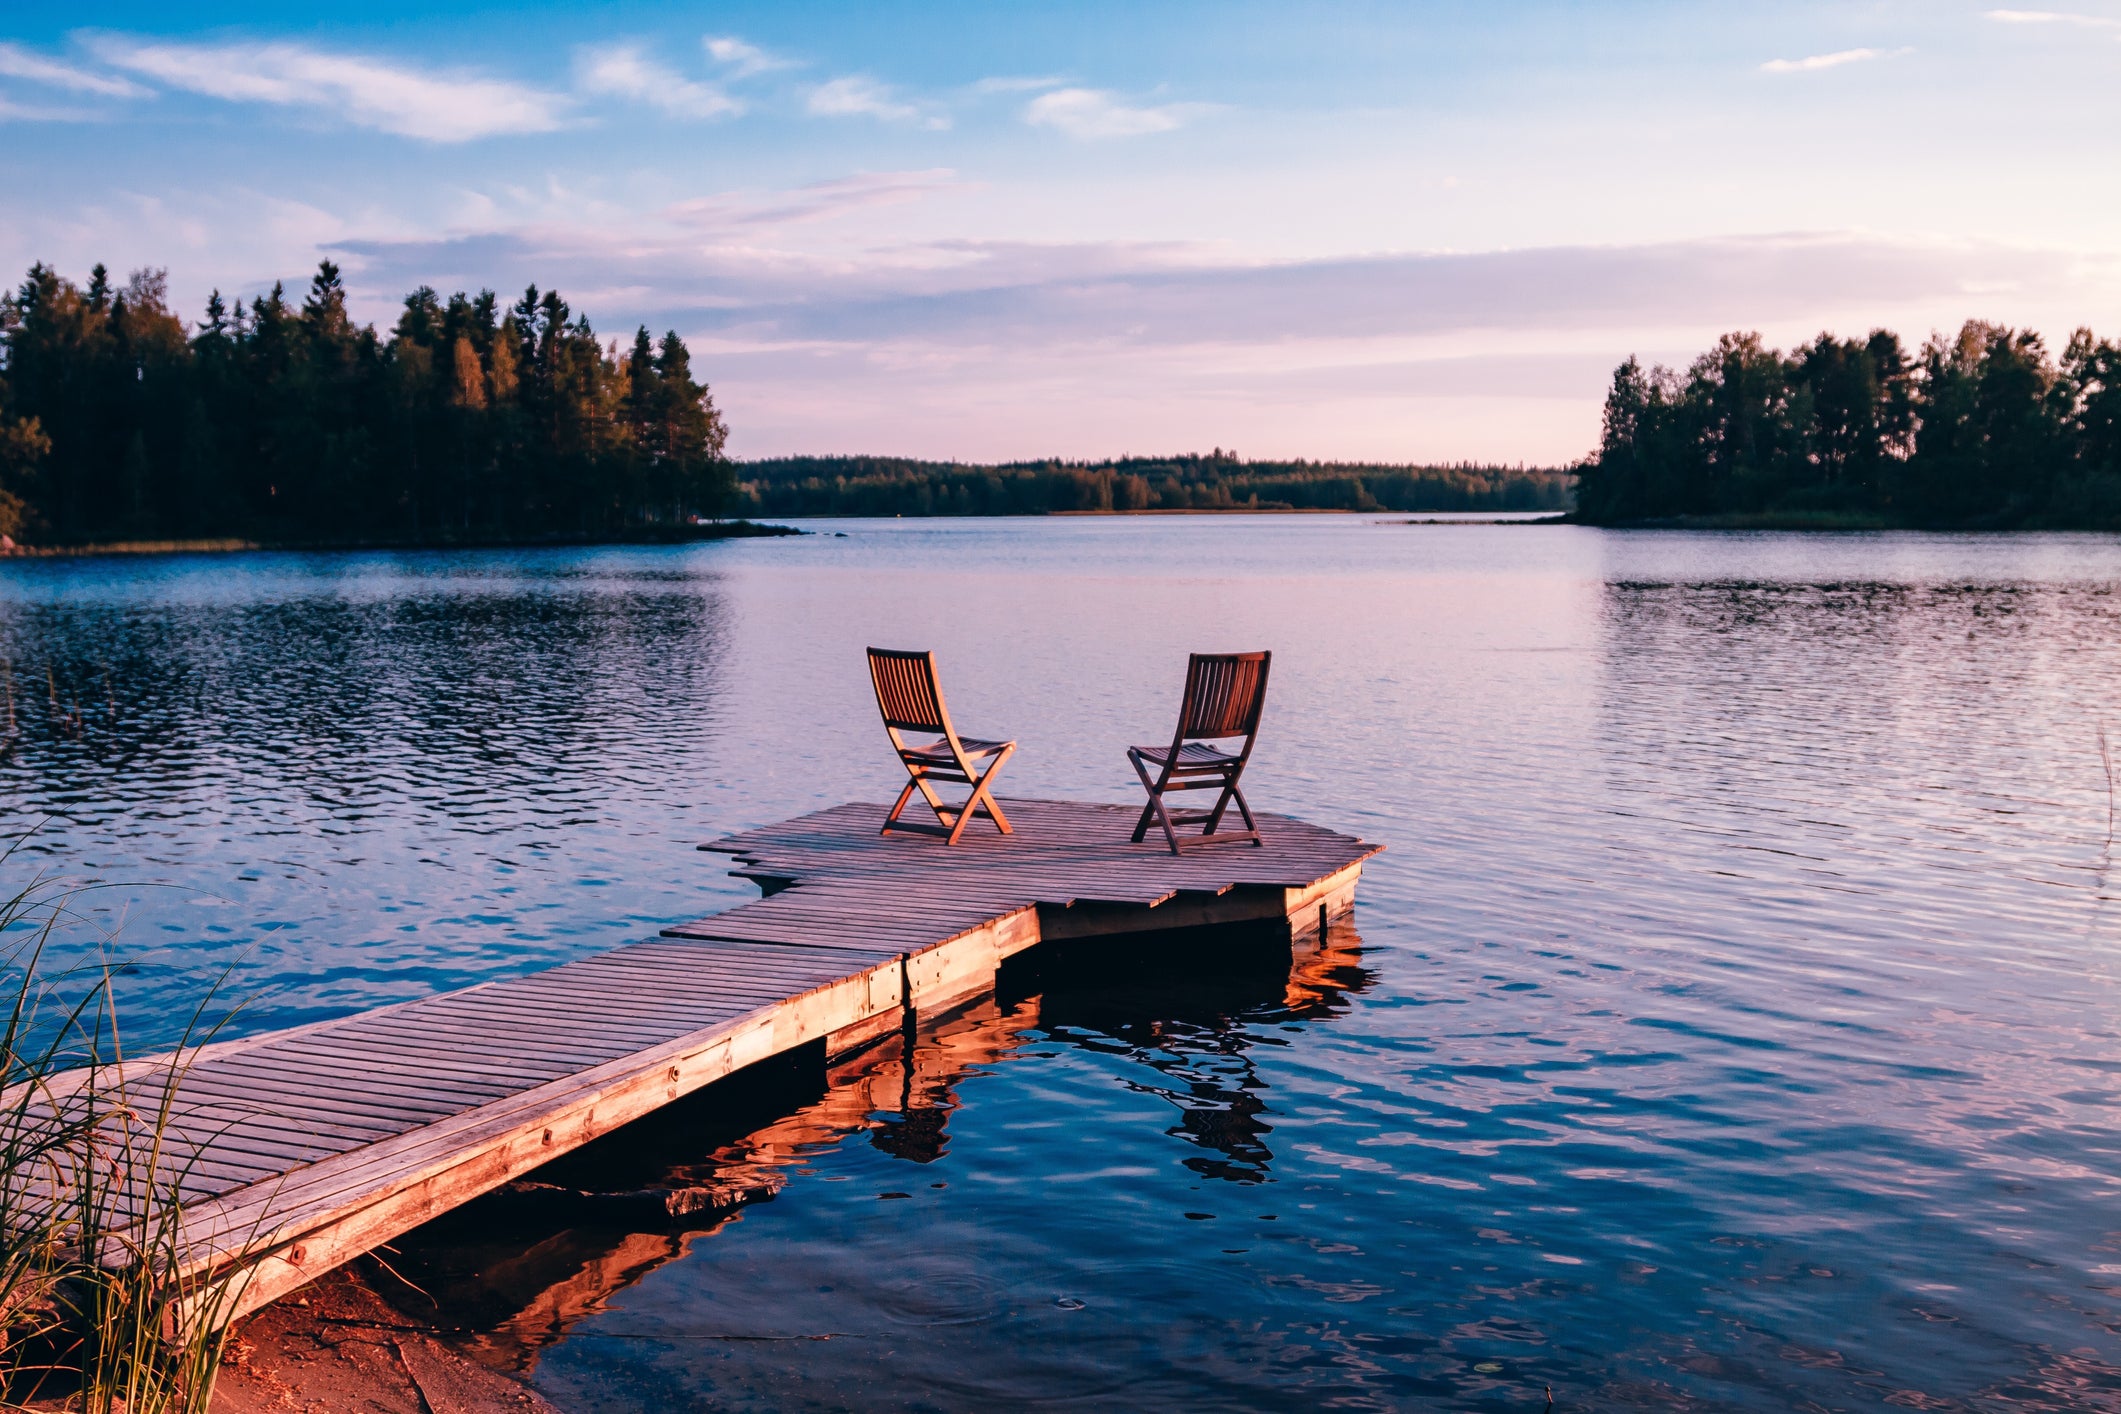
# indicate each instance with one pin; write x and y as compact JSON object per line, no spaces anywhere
{"x":286,"y":422}
{"x":1217,"y":481}
{"x":282,"y":423}
{"x":221,"y":545}
{"x":1978,"y":430}
{"x":101,"y":1309}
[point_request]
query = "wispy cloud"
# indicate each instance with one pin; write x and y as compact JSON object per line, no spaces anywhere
{"x":2053,"y":17}
{"x":858,"y":96}
{"x":817,"y":201}
{"x":371,"y":93}
{"x":968,"y":346}
{"x":988,"y":294}
{"x":19,"y":63}
{"x":1094,"y":113}
{"x":741,"y":59}
{"x":1813,"y":62}
{"x":1017,"y":83}
{"x":626,"y":71}
{"x":12,"y":112}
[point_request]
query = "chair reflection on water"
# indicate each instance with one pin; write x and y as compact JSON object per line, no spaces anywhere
{"x":1183,"y":1022}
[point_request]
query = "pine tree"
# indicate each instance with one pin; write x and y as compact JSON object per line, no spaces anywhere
{"x":135,"y":477}
{"x":202,"y":508}
{"x":273,"y":418}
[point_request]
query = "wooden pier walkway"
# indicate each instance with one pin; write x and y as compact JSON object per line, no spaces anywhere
{"x":304,"y":1148}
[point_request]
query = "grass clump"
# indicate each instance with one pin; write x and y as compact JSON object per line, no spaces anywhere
{"x":101,"y":1308}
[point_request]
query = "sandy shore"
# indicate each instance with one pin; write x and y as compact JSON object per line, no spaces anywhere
{"x":339,"y":1348}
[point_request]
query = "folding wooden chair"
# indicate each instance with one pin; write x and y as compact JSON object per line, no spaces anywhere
{"x":1224,"y":694}
{"x":911,"y":700}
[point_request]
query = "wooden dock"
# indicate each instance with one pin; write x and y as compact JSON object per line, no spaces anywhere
{"x":301,"y":1149}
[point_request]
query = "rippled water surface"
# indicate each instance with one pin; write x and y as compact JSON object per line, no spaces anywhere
{"x":1731,"y":1021}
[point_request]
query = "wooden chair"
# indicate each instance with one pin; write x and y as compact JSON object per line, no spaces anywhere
{"x":1224,"y":694}
{"x":911,"y":700}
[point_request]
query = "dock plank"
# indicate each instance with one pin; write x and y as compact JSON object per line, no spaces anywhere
{"x":307,"y":1146}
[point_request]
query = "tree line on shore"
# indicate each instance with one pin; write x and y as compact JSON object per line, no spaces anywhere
{"x":1978,"y":429}
{"x":287,"y":420}
{"x":1217,"y":480}
{"x":284,"y":419}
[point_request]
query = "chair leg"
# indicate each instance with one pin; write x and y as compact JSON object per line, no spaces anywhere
{"x":917,"y":780}
{"x":1163,"y":817}
{"x":898,"y":807}
{"x":1141,"y":826}
{"x":1222,"y":803}
{"x":1155,"y":807}
{"x":935,"y":802}
{"x":1251,"y":825}
{"x":1163,"y":812}
{"x":984,"y":796}
{"x":964,"y":818}
{"x":981,"y":801}
{"x":1231,"y":794}
{"x":952,"y":819}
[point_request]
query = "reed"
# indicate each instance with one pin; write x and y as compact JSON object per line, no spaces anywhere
{"x":100,"y":1311}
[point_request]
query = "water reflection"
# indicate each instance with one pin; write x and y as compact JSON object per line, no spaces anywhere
{"x":1190,"y":1016}
{"x":515,"y":1272}
{"x":1736,"y":1023}
{"x":496,"y":707}
{"x":1881,"y":814}
{"x":312,"y":752}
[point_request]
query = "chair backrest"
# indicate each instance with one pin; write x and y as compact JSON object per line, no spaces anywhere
{"x":1224,"y":695}
{"x":907,"y":692}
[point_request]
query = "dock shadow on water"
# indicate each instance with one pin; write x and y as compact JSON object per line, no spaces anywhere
{"x":518,"y":1271}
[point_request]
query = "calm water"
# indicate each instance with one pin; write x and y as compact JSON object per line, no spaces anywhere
{"x":1732,"y":1021}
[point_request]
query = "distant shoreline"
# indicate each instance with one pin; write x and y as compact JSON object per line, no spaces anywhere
{"x":1786,"y":521}
{"x":1827,"y":521}
{"x":1756,"y":520}
{"x":805,"y":486}
{"x":1462,"y":517}
{"x":727,"y":530}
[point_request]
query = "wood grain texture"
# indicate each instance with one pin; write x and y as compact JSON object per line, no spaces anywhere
{"x":300,"y":1149}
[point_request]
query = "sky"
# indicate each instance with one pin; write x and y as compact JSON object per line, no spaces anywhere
{"x":1404,"y":232}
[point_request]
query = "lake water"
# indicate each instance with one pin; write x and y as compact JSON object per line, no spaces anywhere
{"x":1732,"y":1021}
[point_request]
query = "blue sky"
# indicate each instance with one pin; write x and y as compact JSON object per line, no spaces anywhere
{"x":1397,"y":231}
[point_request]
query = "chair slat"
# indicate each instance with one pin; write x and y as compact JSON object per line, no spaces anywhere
{"x":906,"y":690}
{"x":1224,"y":694}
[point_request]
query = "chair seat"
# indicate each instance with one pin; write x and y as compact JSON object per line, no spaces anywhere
{"x":937,"y":752}
{"x":1193,"y":753}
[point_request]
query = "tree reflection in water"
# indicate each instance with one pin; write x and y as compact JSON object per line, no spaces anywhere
{"x":510,"y":1273}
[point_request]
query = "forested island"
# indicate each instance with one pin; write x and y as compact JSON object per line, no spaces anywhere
{"x":1214,"y":481}
{"x":285,"y":420}
{"x":1981,"y":429}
